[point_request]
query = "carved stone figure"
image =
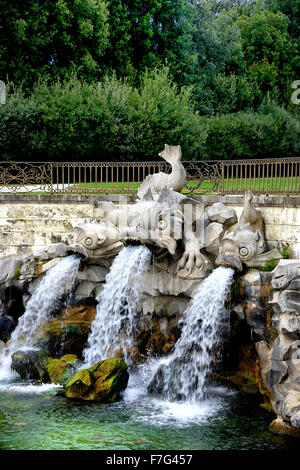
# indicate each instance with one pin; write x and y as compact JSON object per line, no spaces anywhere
{"x":98,"y":243}
{"x":162,"y":225}
{"x":246,"y":244}
{"x":159,"y":181}
{"x":165,"y":220}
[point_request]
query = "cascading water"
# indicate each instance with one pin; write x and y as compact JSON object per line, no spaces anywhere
{"x":182,"y":375}
{"x":55,"y":287}
{"x":115,"y":321}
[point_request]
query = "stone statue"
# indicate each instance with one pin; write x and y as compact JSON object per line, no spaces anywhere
{"x":98,"y":243}
{"x":159,"y":181}
{"x":166,"y":221}
{"x":246,"y":244}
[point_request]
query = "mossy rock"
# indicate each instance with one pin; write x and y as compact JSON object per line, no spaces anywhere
{"x":79,"y":385}
{"x":278,"y":426}
{"x":103,"y":382}
{"x":31,"y":365}
{"x":61,"y":370}
{"x":38,"y":365}
{"x":239,"y":380}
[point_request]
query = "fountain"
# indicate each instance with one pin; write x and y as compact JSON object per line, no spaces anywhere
{"x":182,"y":375}
{"x":51,"y":293}
{"x":115,"y":322}
{"x":164,"y":265}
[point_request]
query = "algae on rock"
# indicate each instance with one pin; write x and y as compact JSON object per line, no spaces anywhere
{"x":103,"y":382}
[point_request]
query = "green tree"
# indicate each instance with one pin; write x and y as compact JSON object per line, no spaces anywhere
{"x":50,"y":38}
{"x":211,"y":44}
{"x":143,"y":33}
{"x":270,"y":55}
{"x":291,"y":8}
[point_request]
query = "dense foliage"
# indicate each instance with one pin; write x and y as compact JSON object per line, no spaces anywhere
{"x":111,"y":80}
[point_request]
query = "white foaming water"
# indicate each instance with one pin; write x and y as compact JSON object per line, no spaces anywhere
{"x":57,"y":283}
{"x":24,"y":388}
{"x":114,"y":325}
{"x":181,"y":377}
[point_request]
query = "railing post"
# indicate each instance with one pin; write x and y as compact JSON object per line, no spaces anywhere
{"x":51,"y":177}
{"x":222,"y":180}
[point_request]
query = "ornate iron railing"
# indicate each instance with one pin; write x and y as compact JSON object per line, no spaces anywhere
{"x":270,"y":176}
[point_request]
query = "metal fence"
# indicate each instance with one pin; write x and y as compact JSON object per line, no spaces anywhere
{"x":270,"y":176}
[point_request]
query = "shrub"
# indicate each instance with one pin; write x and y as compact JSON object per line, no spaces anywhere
{"x":271,"y":132}
{"x":110,"y":120}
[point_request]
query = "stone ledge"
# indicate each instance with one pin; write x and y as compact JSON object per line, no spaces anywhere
{"x":63,"y":198}
{"x":262,"y":200}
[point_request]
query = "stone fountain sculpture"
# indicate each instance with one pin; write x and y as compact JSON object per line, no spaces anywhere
{"x":159,"y":181}
{"x":185,"y":240}
{"x":96,"y":242}
{"x":246,"y":244}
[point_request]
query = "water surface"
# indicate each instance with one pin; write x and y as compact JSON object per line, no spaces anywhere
{"x":33,"y":418}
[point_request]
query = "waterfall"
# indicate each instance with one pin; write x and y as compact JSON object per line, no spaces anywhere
{"x":114,"y":325}
{"x":182,"y":375}
{"x":52,"y":290}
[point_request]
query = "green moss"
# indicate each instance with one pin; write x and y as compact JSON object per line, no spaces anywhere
{"x":270,"y":265}
{"x":236,"y":290}
{"x":102,"y":382}
{"x":79,"y":385}
{"x":285,"y":251}
{"x":17,"y":272}
{"x":267,"y":407}
{"x":61,"y":370}
{"x":71,"y":330}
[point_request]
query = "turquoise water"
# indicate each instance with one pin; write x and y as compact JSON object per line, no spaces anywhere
{"x":33,"y":418}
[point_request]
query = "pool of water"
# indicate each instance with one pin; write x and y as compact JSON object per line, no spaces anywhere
{"x":32,"y":417}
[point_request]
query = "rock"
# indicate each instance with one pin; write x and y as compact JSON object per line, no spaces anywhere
{"x":9,"y":268}
{"x":278,"y":426}
{"x":68,"y":333}
{"x":93,"y":273}
{"x":286,"y":271}
{"x":31,"y":365}
{"x":213,"y":235}
{"x":239,"y":380}
{"x":287,"y":322}
{"x":295,"y":420}
{"x":61,"y":370}
{"x":286,"y":301}
{"x":54,"y":250}
{"x":2,"y":347}
{"x":222,"y":214}
{"x":85,"y":289}
{"x":6,"y":327}
{"x":103,"y":382}
{"x":38,"y":365}
{"x":27,"y":269}
{"x":79,"y":385}
{"x":290,"y":405}
{"x":46,"y":266}
{"x":255,"y":315}
{"x":252,"y":277}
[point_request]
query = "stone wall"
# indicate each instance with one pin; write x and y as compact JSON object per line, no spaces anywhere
{"x":32,"y":221}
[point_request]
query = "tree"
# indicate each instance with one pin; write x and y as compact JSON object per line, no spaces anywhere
{"x":50,"y":38}
{"x":291,"y":8}
{"x":270,"y":55}
{"x":143,"y":33}
{"x":210,"y":45}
